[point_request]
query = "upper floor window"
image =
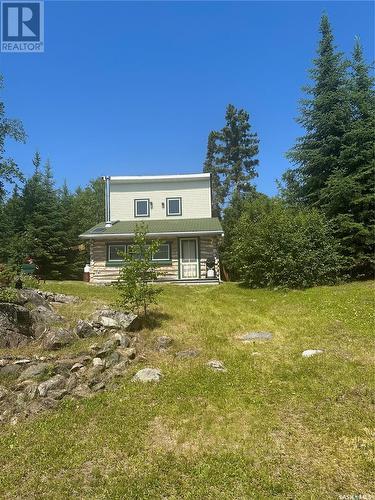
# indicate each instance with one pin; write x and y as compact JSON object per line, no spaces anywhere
{"x":142,"y":208}
{"x":174,"y":206}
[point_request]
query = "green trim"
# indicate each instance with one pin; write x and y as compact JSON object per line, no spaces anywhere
{"x":115,"y":263}
{"x":199,"y":255}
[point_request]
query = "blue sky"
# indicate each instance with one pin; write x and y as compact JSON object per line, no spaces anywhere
{"x":129,"y":88}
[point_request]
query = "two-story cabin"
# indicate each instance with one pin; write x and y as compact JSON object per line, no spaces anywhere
{"x":177,"y":211}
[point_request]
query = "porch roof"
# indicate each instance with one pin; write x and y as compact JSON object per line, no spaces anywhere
{"x":162,"y":227}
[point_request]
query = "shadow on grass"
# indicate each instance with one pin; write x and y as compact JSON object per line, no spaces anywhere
{"x":153,"y":320}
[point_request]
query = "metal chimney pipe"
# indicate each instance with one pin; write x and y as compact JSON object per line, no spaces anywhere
{"x":108,"y":222}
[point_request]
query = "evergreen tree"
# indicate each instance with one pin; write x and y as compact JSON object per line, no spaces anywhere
{"x":348,"y":197}
{"x":210,"y":166}
{"x":9,"y":128}
{"x":237,"y":148}
{"x":325,"y":115}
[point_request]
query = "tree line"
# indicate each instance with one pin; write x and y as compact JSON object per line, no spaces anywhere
{"x":320,"y":227}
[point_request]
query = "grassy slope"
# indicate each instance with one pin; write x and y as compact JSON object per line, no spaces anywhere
{"x":275,"y":425}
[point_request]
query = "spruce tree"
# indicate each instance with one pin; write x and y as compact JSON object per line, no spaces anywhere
{"x":210,"y":166}
{"x":237,"y":148}
{"x":325,"y":115}
{"x":348,"y":197}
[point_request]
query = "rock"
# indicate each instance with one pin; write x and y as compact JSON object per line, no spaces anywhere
{"x":55,"y":339}
{"x":110,"y":318}
{"x":31,"y":391}
{"x":122,"y":339}
{"x":112,"y":359}
{"x":98,"y":387}
{"x":128,"y":353}
{"x":163,"y":343}
{"x":34,"y":371}
{"x":56,"y":382}
{"x":76,"y":367}
{"x":98,"y":362}
{"x":84,"y":329}
{"x":72,"y":382}
{"x":189,"y":353}
{"x":3,"y":392}
{"x":58,"y":297}
{"x":81,"y":391}
{"x":311,"y":352}
{"x":253,"y":336}
{"x":10,"y":370}
{"x":255,"y":353}
{"x":3,"y":362}
{"x":93,"y":375}
{"x":107,"y":348}
{"x":216,"y":365}
{"x":33,"y":297}
{"x":22,"y":361}
{"x":15,"y":325}
{"x":57,"y":393}
{"x":42,"y":317}
{"x":147,"y":375}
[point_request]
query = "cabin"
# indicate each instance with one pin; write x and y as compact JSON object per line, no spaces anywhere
{"x":177,"y":210}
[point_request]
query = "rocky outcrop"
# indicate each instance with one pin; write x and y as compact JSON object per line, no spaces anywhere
{"x":110,"y":318}
{"x":40,"y":383}
{"x":58,"y":338}
{"x":57,"y":297}
{"x":15,"y":325}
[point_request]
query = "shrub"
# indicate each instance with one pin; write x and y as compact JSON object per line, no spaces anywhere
{"x":29,"y":281}
{"x":8,"y":294}
{"x":138,"y":270}
{"x":7,"y":275}
{"x":281,"y":247}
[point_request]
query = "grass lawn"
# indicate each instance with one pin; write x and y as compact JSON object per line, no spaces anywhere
{"x":275,"y":425}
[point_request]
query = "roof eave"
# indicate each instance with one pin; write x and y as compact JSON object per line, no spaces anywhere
{"x":167,"y":234}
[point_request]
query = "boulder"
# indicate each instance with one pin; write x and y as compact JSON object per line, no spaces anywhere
{"x":76,"y":367}
{"x":31,"y":391}
{"x":162,"y":343}
{"x":57,"y":338}
{"x":56,"y":382}
{"x":34,"y":371}
{"x":58,"y":297}
{"x":15,"y":325}
{"x":148,"y":375}
{"x":254,"y":336}
{"x":84,"y":329}
{"x":112,"y":359}
{"x":10,"y":370}
{"x":98,"y":362}
{"x":24,"y":361}
{"x":216,"y":365}
{"x":33,"y":298}
{"x":128,"y":353}
{"x":122,"y":339}
{"x":110,"y":318}
{"x":311,"y":352}
{"x":106,"y":348}
{"x":81,"y":391}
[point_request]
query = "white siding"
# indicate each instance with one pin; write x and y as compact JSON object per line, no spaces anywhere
{"x":195,"y":194}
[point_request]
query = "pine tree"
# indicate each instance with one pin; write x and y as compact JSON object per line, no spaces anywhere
{"x":325,"y":115}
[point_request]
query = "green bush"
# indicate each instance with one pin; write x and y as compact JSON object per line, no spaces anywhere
{"x":7,"y":275}
{"x":8,"y":294}
{"x":29,"y":281}
{"x":281,"y":247}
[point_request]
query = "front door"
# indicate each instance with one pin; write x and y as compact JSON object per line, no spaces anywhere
{"x":189,"y":263}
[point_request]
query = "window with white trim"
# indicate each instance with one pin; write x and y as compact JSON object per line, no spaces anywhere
{"x":115,"y":252}
{"x":142,"y":208}
{"x":163,"y":253}
{"x":174,"y":206}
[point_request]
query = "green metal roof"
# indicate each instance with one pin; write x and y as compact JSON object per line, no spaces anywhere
{"x":163,"y":227}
